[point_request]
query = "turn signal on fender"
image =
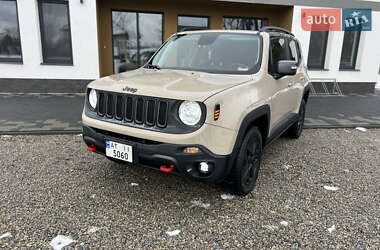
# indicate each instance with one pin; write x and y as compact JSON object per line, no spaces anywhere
{"x":191,"y":150}
{"x":217,"y":112}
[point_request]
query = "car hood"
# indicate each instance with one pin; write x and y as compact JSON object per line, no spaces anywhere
{"x":172,"y":84}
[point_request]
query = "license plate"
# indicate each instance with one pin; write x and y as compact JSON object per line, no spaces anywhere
{"x":119,"y":151}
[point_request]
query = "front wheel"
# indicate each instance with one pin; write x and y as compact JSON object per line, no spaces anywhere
{"x":246,"y":169}
{"x":295,"y":130}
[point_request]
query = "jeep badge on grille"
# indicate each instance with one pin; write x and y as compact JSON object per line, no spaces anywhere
{"x":128,"y":89}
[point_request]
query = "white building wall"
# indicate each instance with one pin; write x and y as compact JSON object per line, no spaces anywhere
{"x":84,"y":38}
{"x":368,"y":60}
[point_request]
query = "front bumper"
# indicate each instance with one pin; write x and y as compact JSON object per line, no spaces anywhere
{"x":155,"y":154}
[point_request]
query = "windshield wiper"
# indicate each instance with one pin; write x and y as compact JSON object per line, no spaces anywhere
{"x":153,"y":66}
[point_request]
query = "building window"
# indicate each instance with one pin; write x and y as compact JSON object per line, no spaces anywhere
{"x":317,"y":49}
{"x":10,"y":45}
{"x":130,"y":51}
{"x":350,"y":49}
{"x":192,"y":23}
{"x":244,"y":23}
{"x":55,"y":32}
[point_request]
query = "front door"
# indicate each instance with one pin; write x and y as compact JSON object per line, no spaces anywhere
{"x":281,"y":103}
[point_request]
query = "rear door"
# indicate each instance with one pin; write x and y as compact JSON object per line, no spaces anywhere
{"x":281,"y":103}
{"x":296,"y":88}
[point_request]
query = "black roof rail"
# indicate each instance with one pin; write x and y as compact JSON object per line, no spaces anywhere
{"x":275,"y":29}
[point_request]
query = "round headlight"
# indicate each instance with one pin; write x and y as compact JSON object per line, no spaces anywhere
{"x":190,"y":112}
{"x":93,"y":98}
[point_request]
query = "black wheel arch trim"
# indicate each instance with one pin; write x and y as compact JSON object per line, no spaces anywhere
{"x":306,"y":92}
{"x":250,"y":118}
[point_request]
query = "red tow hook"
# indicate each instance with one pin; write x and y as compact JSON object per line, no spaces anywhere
{"x":167,"y":169}
{"x":91,"y":148}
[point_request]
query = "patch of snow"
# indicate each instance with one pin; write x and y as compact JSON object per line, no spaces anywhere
{"x":227,"y":196}
{"x":92,"y":230}
{"x":331,"y":188}
{"x":361,"y":129}
{"x":82,"y":244}
{"x":346,"y":170}
{"x":5,"y":235}
{"x":284,"y":223}
{"x":331,"y":229}
{"x":93,"y":196}
{"x":348,"y":131}
{"x":61,"y":241}
{"x":270,"y":227}
{"x":79,"y":135}
{"x":287,"y":166}
{"x":198,"y":203}
{"x":134,"y":184}
{"x":173,"y":233}
{"x":6,"y":136}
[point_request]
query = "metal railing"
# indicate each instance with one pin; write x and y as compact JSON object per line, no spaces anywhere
{"x":324,"y":87}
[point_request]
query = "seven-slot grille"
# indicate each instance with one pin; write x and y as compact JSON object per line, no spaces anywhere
{"x":133,"y":109}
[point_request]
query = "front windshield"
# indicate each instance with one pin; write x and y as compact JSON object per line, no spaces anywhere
{"x":222,"y":53}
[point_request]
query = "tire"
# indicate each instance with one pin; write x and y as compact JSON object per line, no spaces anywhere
{"x":295,"y":130}
{"x":246,"y":169}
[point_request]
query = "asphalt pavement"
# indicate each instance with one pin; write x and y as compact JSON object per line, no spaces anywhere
{"x":61,"y":113}
{"x":40,"y":113}
{"x":318,"y":192}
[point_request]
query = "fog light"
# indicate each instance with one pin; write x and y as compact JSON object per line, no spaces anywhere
{"x":191,"y":150}
{"x":204,"y":168}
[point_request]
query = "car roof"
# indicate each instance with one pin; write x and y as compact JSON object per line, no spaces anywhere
{"x":253,"y":32}
{"x":219,"y":31}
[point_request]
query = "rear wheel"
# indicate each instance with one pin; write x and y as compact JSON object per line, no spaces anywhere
{"x":246,"y":169}
{"x":295,"y":130}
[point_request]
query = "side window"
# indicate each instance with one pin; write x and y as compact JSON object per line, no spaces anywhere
{"x":279,"y":51}
{"x":295,"y":53}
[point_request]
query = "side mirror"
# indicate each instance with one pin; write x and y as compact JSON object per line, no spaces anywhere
{"x":285,"y":67}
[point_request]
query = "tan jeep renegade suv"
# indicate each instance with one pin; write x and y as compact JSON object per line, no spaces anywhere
{"x":204,"y":106}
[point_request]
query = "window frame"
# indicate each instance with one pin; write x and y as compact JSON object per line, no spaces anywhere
{"x":196,"y":16}
{"x":45,"y":60}
{"x":322,"y":66}
{"x":245,"y":17}
{"x":271,"y":66}
{"x":137,"y":30}
{"x":356,"y":50}
{"x":13,"y":60}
